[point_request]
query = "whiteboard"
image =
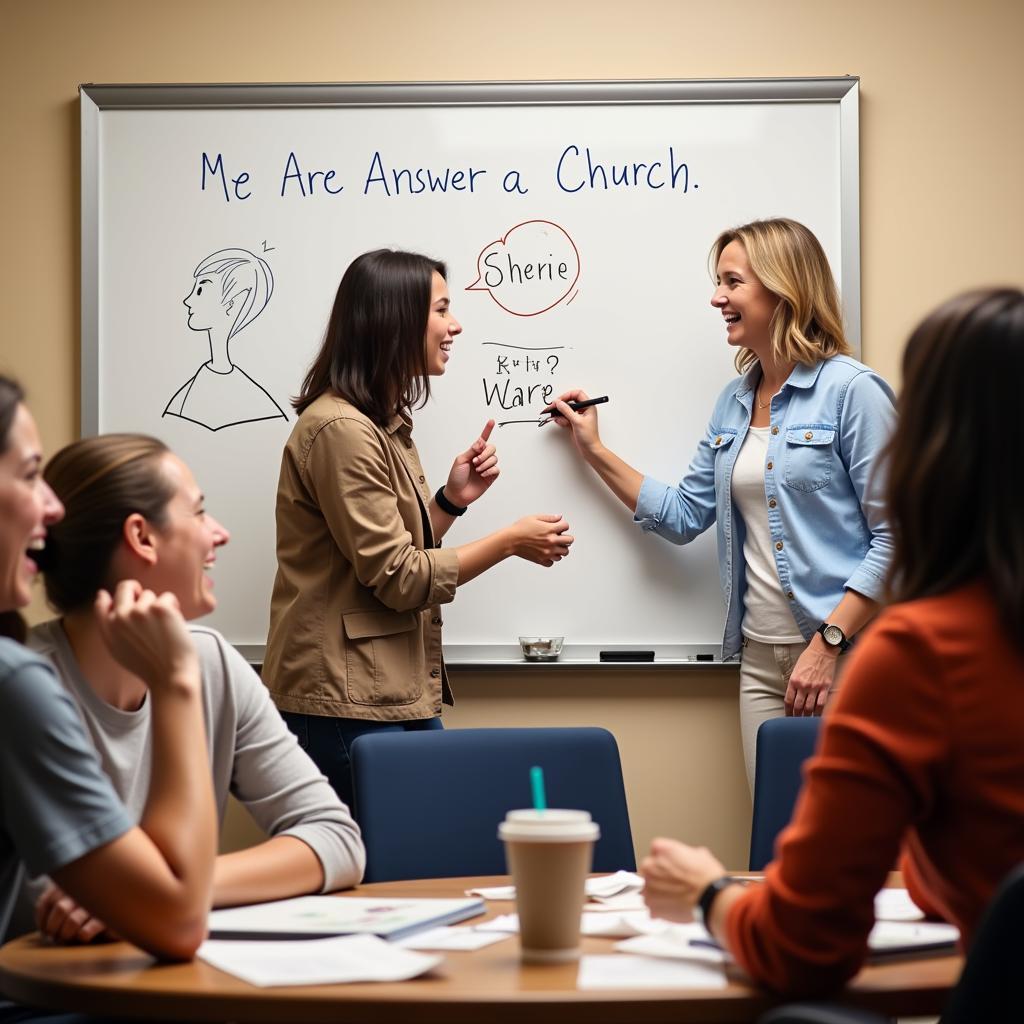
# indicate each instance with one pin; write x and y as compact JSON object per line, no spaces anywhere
{"x":575,"y":219}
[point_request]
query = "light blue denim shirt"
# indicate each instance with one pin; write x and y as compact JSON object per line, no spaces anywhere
{"x":823,"y":489}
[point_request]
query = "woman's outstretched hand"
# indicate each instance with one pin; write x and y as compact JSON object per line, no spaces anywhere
{"x":473,"y":471}
{"x":541,"y":539}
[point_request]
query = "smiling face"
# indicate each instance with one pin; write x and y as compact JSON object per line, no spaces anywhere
{"x":204,"y":303}
{"x":185,"y":545}
{"x":745,"y":303}
{"x":27,"y":507}
{"x":442,"y":327}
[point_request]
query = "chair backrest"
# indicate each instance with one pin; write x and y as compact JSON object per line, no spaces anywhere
{"x":429,"y":803}
{"x":783,"y":744}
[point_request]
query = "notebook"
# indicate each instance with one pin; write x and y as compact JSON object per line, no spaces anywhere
{"x":317,"y":917}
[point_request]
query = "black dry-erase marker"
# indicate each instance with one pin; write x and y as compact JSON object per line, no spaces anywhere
{"x":575,"y":406}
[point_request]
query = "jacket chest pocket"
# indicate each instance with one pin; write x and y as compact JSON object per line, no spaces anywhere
{"x":721,"y":444}
{"x":381,"y":662}
{"x":809,"y":456}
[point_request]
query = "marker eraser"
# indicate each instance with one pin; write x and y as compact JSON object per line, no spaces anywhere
{"x":705,"y":657}
{"x":627,"y":655}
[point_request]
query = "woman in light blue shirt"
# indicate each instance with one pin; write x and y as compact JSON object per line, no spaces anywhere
{"x":787,"y":471}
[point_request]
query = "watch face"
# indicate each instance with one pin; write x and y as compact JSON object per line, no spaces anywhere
{"x":832,"y":635}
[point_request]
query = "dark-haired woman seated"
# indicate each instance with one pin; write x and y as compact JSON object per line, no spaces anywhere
{"x":922,"y":753}
{"x":355,"y":619}
{"x":135,"y":511}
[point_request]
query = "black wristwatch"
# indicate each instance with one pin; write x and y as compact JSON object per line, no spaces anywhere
{"x":702,"y":908}
{"x":834,"y":637}
{"x":446,"y":506}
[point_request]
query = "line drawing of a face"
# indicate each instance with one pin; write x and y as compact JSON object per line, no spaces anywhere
{"x":204,"y":303}
{"x":230,"y":289}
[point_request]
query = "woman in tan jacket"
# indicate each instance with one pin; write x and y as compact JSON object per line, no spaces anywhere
{"x":355,"y":619}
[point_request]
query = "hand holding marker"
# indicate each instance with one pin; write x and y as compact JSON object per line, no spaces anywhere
{"x":552,"y":412}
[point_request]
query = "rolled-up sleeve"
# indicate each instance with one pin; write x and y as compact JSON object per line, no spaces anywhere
{"x":680,"y":513}
{"x":348,"y":474}
{"x":867,"y":423}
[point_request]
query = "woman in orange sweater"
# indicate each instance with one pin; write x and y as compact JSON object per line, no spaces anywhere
{"x":922,"y":753}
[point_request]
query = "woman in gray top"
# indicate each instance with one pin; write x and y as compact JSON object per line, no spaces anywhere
{"x":133,"y":509}
{"x":58,"y":811}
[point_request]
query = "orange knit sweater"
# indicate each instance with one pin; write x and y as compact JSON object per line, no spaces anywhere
{"x":922,"y":753}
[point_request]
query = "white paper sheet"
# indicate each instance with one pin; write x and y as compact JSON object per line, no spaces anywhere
{"x":315,"y":961}
{"x":494,"y":892}
{"x":465,"y":938}
{"x":617,"y":971}
{"x":624,"y":902}
{"x":600,"y":889}
{"x":507,"y":924}
{"x":613,"y":885}
{"x":676,"y":942}
{"x":621,"y":926}
{"x":896,"y":905}
{"x":911,"y":936}
{"x":604,"y":925}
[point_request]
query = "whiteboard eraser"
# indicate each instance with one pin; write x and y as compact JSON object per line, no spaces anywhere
{"x":627,"y":655}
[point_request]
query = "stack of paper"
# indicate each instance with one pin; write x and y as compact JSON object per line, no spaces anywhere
{"x":310,"y":917}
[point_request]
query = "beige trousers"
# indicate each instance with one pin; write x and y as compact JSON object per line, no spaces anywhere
{"x":764,"y":675}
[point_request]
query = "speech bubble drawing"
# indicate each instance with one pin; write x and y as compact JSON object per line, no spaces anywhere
{"x":530,"y":270}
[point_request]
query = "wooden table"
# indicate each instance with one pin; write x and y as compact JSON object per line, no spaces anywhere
{"x":487,"y":985}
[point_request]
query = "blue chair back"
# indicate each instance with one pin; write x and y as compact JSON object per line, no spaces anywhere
{"x":783,"y":744}
{"x":429,"y":803}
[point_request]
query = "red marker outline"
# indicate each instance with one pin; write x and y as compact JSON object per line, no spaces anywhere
{"x":503,"y":241}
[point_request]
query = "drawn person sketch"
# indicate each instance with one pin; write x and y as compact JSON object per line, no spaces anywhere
{"x":231,"y":288}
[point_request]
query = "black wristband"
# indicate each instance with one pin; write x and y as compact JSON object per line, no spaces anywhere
{"x":702,"y":910}
{"x":446,"y":506}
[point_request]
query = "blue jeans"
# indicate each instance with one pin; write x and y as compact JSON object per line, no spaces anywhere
{"x":328,"y":741}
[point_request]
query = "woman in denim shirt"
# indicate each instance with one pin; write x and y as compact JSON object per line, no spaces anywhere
{"x":786,"y":471}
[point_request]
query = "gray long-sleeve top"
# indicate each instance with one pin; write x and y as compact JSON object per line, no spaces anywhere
{"x":253,"y":755}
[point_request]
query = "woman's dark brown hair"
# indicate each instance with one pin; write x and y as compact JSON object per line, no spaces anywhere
{"x":955,"y":499}
{"x":101,"y":481}
{"x":11,"y":396}
{"x":373,"y":353}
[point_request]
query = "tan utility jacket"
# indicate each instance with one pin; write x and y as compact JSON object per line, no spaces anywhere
{"x":355,"y":618}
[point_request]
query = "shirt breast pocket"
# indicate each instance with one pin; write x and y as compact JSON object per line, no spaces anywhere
{"x":809,"y":456}
{"x":720,"y":443}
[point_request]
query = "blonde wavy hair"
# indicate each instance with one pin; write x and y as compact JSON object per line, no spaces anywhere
{"x":807,"y":325}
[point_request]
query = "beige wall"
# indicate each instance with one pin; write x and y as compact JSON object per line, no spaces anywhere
{"x":941,"y":208}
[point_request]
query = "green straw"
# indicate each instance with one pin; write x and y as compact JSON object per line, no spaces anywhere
{"x":537,"y":785}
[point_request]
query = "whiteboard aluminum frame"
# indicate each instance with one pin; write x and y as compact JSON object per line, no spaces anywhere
{"x":95,"y":99}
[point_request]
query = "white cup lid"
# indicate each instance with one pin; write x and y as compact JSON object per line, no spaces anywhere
{"x":554,"y":825}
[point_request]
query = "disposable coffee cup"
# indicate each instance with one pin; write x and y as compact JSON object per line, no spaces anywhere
{"x":549,"y":855}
